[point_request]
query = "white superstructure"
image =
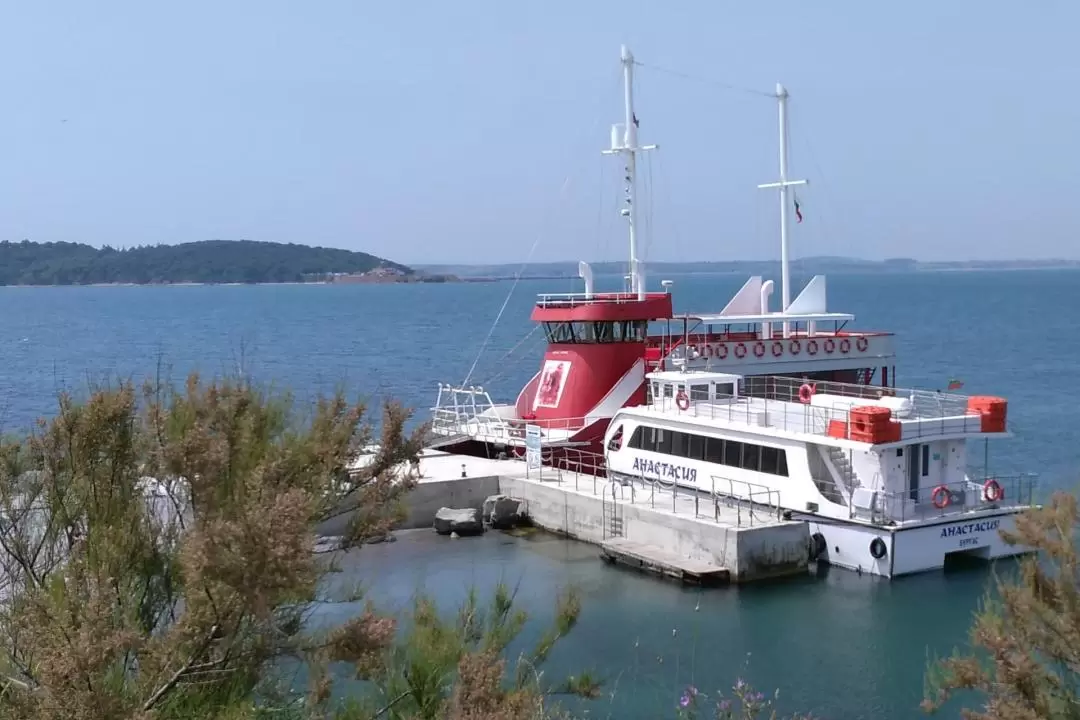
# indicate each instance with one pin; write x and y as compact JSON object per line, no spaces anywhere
{"x":880,"y":474}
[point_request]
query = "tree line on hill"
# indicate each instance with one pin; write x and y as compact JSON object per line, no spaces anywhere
{"x":211,"y":261}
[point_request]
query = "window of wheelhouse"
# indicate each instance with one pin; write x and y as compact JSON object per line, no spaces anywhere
{"x":596,"y":332}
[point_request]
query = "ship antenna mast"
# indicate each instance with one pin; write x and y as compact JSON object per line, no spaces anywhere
{"x":785,"y":275}
{"x":624,"y":142}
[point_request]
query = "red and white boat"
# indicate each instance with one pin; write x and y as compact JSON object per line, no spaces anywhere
{"x":601,"y":344}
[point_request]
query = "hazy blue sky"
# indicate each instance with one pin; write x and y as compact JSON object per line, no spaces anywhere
{"x":464,"y":131}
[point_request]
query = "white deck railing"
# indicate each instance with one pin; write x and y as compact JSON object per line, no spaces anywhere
{"x":773,"y":402}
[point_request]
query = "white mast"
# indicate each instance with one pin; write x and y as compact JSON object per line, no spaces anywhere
{"x":627,"y":145}
{"x":785,"y":279}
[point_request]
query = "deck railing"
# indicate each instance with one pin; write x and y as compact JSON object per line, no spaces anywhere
{"x":569,"y":300}
{"x":965,"y":496}
{"x":774,"y":402}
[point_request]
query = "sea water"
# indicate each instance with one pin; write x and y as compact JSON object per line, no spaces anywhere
{"x":836,"y":643}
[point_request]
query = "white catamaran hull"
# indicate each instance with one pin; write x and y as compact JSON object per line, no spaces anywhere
{"x":911,"y":549}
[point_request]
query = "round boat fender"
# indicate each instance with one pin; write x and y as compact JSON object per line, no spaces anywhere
{"x":806,"y":391}
{"x":682,"y":400}
{"x":862,"y":343}
{"x":878,"y":549}
{"x":940,"y":497}
{"x":740,"y":350}
{"x":817,"y":546}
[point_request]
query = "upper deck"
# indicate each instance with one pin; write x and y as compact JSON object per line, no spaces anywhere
{"x":827,"y":411}
{"x":600,"y":307}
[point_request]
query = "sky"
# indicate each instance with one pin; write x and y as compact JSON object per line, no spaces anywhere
{"x":471,"y":131}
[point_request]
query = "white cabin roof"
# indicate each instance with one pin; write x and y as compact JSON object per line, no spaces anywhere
{"x":721,"y":319}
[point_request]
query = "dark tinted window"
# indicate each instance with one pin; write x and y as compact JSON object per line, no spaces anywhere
{"x":748,"y":456}
{"x":751,"y":457}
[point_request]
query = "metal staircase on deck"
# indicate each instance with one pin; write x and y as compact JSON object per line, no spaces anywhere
{"x":827,"y":487}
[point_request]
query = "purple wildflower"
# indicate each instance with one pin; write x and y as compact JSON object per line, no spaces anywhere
{"x":739,"y":684}
{"x":684,"y":701}
{"x":725,"y":705}
{"x":757,"y":697}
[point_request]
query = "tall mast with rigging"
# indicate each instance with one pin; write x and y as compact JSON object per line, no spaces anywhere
{"x":624,"y":142}
{"x":785,"y":276}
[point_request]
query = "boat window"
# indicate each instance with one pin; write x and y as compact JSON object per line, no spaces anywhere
{"x":725,"y":390}
{"x":663,"y":441}
{"x":747,"y":456}
{"x":733,"y":453}
{"x":751,"y":457}
{"x":696,"y":447}
{"x":667,"y":390}
{"x":616,"y":439}
{"x":714,"y":450}
{"x":770,"y":460}
{"x":925,"y":460}
{"x":699,"y":392}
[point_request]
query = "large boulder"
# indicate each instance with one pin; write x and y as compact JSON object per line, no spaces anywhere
{"x":503,"y":512}
{"x":465,"y":521}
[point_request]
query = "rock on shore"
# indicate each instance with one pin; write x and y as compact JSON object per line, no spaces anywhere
{"x":464,"y":521}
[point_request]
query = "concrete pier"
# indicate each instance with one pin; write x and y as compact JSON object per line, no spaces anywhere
{"x":669,"y":525}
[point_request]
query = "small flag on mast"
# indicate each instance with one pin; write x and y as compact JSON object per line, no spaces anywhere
{"x":636,"y":123}
{"x":955,"y":384}
{"x":798,"y":212}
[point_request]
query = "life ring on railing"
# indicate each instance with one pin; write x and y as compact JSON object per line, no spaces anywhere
{"x":811,"y":347}
{"x":777,"y":348}
{"x":845,"y":346}
{"x":795,"y":347}
{"x":861,"y":344}
{"x":878,"y":549}
{"x":759,"y":349}
{"x":940,"y":497}
{"x":806,"y":392}
{"x":992,"y":491}
{"x":682,"y":400}
{"x":830,"y":345}
{"x":721,"y":351}
{"x":740,"y":350}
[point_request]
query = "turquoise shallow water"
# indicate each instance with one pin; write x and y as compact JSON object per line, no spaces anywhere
{"x":839,"y":644}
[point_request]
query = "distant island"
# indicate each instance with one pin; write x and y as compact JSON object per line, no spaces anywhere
{"x":205,"y":262}
{"x":802,"y":266}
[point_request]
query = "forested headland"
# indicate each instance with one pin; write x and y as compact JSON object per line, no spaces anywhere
{"x":210,"y":261}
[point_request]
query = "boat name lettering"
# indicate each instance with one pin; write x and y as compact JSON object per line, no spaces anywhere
{"x":966,"y":528}
{"x":664,"y":470}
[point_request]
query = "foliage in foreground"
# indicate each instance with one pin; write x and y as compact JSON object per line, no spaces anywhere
{"x":743,"y":702}
{"x":1027,"y":632}
{"x":157,"y":547}
{"x":456,"y":668}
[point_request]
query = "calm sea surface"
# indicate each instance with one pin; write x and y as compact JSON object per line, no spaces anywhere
{"x":838,"y":644}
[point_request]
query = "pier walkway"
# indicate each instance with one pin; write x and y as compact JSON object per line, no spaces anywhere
{"x":663,"y":524}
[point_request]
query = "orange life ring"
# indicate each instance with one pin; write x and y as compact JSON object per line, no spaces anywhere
{"x":682,"y":401}
{"x":992,"y":491}
{"x":740,"y":350}
{"x":940,"y":497}
{"x":794,"y":347}
{"x":861,"y":344}
{"x":721,"y":351}
{"x":845,"y":346}
{"x":759,"y":349}
{"x":777,"y":348}
{"x":806,"y":392}
{"x":830,"y":345}
{"x":811,"y":347}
